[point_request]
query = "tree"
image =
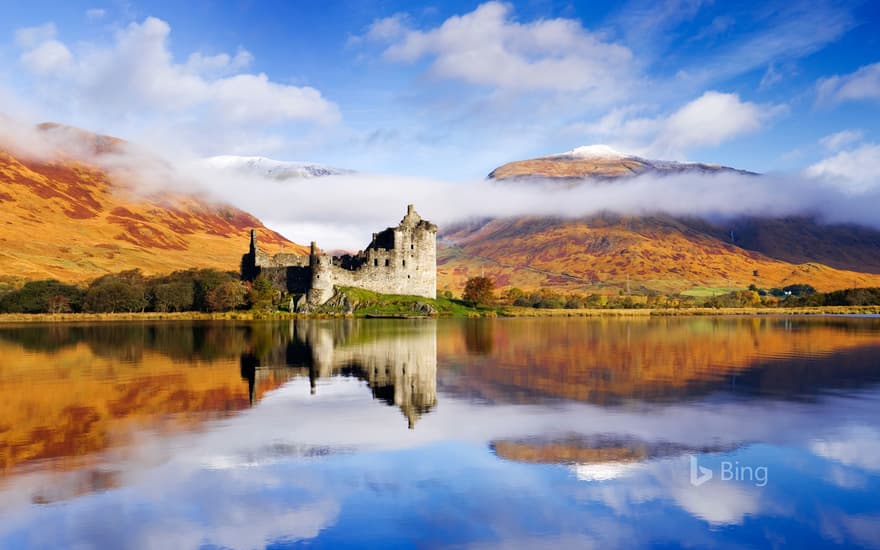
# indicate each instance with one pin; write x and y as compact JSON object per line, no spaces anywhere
{"x":262,"y":295}
{"x":575,"y":301}
{"x":512,"y":294}
{"x":110,"y":294}
{"x":173,"y":297}
{"x":58,"y":304}
{"x":799,"y":289}
{"x":205,"y":281}
{"x":479,"y":291}
{"x":48,"y":296}
{"x":229,"y":295}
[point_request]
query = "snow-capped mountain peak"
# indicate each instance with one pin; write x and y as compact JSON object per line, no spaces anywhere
{"x":594,"y":151}
{"x":271,"y":168}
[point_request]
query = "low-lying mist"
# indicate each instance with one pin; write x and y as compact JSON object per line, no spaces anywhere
{"x":341,"y":212}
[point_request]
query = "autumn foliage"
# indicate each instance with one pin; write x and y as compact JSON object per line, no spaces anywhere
{"x":479,"y":291}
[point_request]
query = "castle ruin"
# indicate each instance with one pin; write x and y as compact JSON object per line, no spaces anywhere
{"x":399,"y":260}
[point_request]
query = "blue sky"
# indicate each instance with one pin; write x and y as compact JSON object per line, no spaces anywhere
{"x":451,"y":90}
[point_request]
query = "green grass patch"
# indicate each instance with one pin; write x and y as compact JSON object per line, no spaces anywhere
{"x":367,"y":303}
{"x":708,"y":291}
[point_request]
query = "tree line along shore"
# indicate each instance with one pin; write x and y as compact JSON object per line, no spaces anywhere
{"x":214,"y":294}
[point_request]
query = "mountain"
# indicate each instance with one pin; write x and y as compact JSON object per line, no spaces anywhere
{"x":599,"y":162}
{"x":275,"y":169}
{"x":609,"y":253}
{"x":66,"y":217}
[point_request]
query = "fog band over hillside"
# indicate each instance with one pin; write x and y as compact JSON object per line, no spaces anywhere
{"x":342,"y":211}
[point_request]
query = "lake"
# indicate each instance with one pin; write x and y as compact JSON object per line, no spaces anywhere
{"x":516,"y":433}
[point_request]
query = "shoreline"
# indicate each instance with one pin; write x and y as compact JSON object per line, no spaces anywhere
{"x":506,"y":312}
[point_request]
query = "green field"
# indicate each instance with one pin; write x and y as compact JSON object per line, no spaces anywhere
{"x":367,"y":303}
{"x":708,"y":291}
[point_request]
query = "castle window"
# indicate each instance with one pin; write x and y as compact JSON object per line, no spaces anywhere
{"x":376,"y":262}
{"x":387,"y":262}
{"x":412,"y":247}
{"x":404,"y":263}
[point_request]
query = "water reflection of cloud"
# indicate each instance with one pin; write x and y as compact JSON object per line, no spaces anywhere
{"x":178,"y":502}
{"x":863,"y":529}
{"x":171,"y":508}
{"x":275,"y":481}
{"x":857,"y":446}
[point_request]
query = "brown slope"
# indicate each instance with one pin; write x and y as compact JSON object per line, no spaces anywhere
{"x":72,"y":220}
{"x":798,"y":239}
{"x":572,"y":166}
{"x":611,"y":253}
{"x":608,"y":252}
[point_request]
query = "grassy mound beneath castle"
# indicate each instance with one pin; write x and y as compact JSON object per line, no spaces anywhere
{"x":365,"y":303}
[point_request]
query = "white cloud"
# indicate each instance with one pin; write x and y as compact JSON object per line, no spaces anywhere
{"x":487,"y":47}
{"x":49,"y":58}
{"x":386,"y":29}
{"x":93,"y":14}
{"x":861,"y":84}
{"x":839,"y":140}
{"x":854,"y":171}
{"x":220,"y":63}
{"x":28,"y":37}
{"x":707,"y":121}
{"x":136,"y":77}
{"x":254,"y":98}
{"x":711,"y":119}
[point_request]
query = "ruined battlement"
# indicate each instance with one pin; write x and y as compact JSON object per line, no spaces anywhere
{"x":398,"y":260}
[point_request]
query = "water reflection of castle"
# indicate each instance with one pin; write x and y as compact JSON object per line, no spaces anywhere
{"x":398,"y":361}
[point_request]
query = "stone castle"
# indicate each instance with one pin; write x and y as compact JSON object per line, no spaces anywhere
{"x":399,"y":260}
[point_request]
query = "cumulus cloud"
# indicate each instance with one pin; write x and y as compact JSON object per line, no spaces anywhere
{"x":488,"y":47}
{"x":839,"y":140}
{"x":855,"y":171}
{"x":709,"y":120}
{"x":135,"y":78}
{"x":50,"y":57}
{"x":859,"y":85}
{"x":220,"y":63}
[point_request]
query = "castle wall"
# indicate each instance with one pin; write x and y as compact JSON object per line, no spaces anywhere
{"x":398,"y":260}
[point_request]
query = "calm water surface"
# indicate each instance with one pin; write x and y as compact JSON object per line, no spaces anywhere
{"x":568,"y":433}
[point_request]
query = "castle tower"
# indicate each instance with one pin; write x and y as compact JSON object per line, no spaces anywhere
{"x":253,"y":247}
{"x":322,"y":276}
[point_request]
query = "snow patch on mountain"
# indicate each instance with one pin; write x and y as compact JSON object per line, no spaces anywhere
{"x":274,"y":169}
{"x":593,"y":151}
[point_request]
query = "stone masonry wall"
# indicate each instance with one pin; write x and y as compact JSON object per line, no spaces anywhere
{"x":398,"y":260}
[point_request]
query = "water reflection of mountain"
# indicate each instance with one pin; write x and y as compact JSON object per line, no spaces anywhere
{"x":608,"y":361}
{"x":600,"y":456}
{"x":398,"y":361}
{"x":69,"y":391}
